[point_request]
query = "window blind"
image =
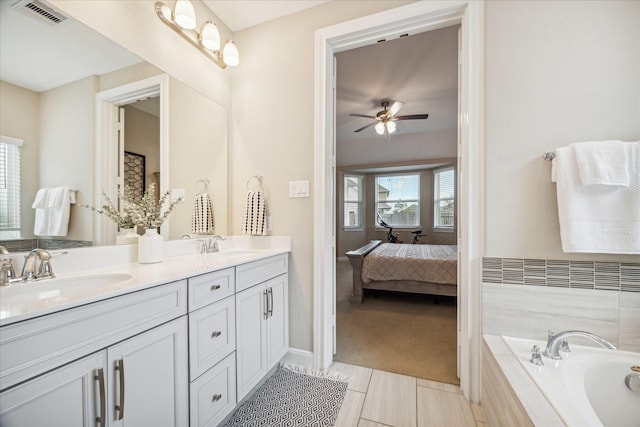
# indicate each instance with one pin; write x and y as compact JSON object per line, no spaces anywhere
{"x":444,"y":198}
{"x":9,"y":187}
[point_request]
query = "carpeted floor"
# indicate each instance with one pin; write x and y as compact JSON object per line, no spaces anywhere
{"x":396,"y":332}
{"x":291,"y":398}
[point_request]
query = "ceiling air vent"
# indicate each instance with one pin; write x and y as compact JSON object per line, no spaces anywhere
{"x":40,"y":10}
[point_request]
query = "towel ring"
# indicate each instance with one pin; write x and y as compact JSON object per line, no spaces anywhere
{"x":259,"y":178}
{"x":206,"y":185}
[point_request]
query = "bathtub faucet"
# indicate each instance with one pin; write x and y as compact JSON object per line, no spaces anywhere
{"x":554,"y":341}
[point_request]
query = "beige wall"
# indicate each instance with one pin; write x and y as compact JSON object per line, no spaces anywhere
{"x":272,"y":135}
{"x":19,"y":117}
{"x":556,"y":73}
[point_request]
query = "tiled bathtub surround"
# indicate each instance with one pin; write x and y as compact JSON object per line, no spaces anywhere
{"x":610,"y":276}
{"x":525,"y":298}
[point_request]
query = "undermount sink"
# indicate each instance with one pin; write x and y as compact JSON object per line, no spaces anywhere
{"x":61,"y":288}
{"x":239,"y":252}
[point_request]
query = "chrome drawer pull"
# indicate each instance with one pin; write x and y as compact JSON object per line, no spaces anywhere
{"x":216,"y":397}
{"x":215,"y":334}
{"x":215,"y":287}
{"x":120,"y":408}
{"x":100,"y":378}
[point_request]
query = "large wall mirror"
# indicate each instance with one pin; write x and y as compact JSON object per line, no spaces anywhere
{"x":51,"y":76}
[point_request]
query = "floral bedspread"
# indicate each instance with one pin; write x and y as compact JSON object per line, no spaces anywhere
{"x":422,"y":263}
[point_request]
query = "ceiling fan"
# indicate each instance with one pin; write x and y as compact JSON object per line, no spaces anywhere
{"x":385,"y":120}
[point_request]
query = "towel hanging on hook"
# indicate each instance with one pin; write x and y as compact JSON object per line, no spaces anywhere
{"x":202,"y":217}
{"x":254,"y":215}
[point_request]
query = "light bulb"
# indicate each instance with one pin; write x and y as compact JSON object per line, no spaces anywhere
{"x":391,"y":126}
{"x":185,"y":15}
{"x":380,"y":128}
{"x":230,"y":55}
{"x":210,"y":36}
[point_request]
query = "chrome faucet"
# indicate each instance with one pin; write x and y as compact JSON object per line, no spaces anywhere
{"x":45,"y":271}
{"x":7,"y":272}
{"x":554,"y":341}
{"x":213,"y":243}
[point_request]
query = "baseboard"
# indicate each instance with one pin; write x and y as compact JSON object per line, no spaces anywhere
{"x":299,"y":357}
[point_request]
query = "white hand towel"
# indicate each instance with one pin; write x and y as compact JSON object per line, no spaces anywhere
{"x":602,"y":162}
{"x":597,"y":218}
{"x":58,"y":211}
{"x":254,"y":217}
{"x":40,"y":204}
{"x":202,"y":217}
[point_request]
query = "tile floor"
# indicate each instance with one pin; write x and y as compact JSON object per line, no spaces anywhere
{"x":376,"y":398}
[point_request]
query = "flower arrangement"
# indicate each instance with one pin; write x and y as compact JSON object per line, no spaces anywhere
{"x":147,"y":213}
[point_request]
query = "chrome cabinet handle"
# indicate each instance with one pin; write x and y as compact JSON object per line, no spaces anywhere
{"x":215,"y":334}
{"x":215,"y":287}
{"x":266,"y":304}
{"x":216,"y":397}
{"x":120,"y":368}
{"x":99,"y":376}
{"x":270,"y":302}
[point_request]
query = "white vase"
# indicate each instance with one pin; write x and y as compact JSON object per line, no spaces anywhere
{"x":150,"y":247}
{"x":127,"y":236}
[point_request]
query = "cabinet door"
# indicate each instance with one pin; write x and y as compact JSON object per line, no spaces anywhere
{"x":148,"y":378}
{"x":69,"y":396}
{"x":251,"y":338}
{"x":278,"y":319}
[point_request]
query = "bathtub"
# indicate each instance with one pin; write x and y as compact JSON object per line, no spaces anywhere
{"x":587,"y":387}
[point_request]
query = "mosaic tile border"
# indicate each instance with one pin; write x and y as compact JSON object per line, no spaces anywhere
{"x":24,"y":245}
{"x":610,"y":276}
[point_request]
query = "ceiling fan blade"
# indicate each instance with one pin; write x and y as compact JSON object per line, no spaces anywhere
{"x":413,"y":117}
{"x":395,"y":108}
{"x":364,"y":127}
{"x":362,"y":115}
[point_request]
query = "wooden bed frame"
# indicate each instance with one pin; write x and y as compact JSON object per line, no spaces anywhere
{"x":356,"y":258}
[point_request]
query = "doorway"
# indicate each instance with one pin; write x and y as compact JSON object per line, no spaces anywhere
{"x":416,"y":17}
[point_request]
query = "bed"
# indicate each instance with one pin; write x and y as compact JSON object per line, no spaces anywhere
{"x":422,"y":269}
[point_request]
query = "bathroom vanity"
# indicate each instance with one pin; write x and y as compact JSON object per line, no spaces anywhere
{"x":172,"y":344}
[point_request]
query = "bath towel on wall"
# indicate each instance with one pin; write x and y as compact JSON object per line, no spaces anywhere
{"x":53,"y":208}
{"x":599,"y":207}
{"x":254,"y":217}
{"x":202,"y":217}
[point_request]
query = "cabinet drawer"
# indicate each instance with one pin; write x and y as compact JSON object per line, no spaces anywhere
{"x":255,"y":272}
{"x":34,"y":346}
{"x":213,"y":395}
{"x":212,"y":335}
{"x":210,"y":287}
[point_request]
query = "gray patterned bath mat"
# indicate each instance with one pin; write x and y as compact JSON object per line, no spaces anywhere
{"x":292,"y":398}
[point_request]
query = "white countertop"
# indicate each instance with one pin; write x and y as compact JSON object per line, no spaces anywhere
{"x":40,"y":297}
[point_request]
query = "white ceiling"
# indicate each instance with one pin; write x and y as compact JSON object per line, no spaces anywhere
{"x":238,"y":15}
{"x":40,"y":56}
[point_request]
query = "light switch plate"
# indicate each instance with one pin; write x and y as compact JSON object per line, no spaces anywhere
{"x":176,"y":193}
{"x":298,"y":189}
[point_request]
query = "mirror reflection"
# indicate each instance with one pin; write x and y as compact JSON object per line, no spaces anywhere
{"x":50,"y":76}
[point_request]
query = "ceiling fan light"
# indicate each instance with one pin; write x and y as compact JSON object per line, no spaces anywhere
{"x":185,"y":14}
{"x":230,"y":55}
{"x":391,"y":126}
{"x":210,"y":36}
{"x":380,"y":128}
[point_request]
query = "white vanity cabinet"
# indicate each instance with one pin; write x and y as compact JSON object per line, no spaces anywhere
{"x":262,"y":320}
{"x":118,"y":362}
{"x":212,"y":345}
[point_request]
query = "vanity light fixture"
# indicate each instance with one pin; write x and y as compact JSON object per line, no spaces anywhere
{"x":182,"y":19}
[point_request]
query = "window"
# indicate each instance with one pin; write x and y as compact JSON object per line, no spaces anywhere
{"x":353,"y":201}
{"x":444,"y":193}
{"x":9,"y":187}
{"x":398,"y":200}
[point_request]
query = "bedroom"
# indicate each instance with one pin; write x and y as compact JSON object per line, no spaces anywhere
{"x":396,"y":177}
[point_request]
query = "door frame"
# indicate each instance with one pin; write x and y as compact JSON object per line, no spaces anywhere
{"x":106,"y":149}
{"x":413,"y":18}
